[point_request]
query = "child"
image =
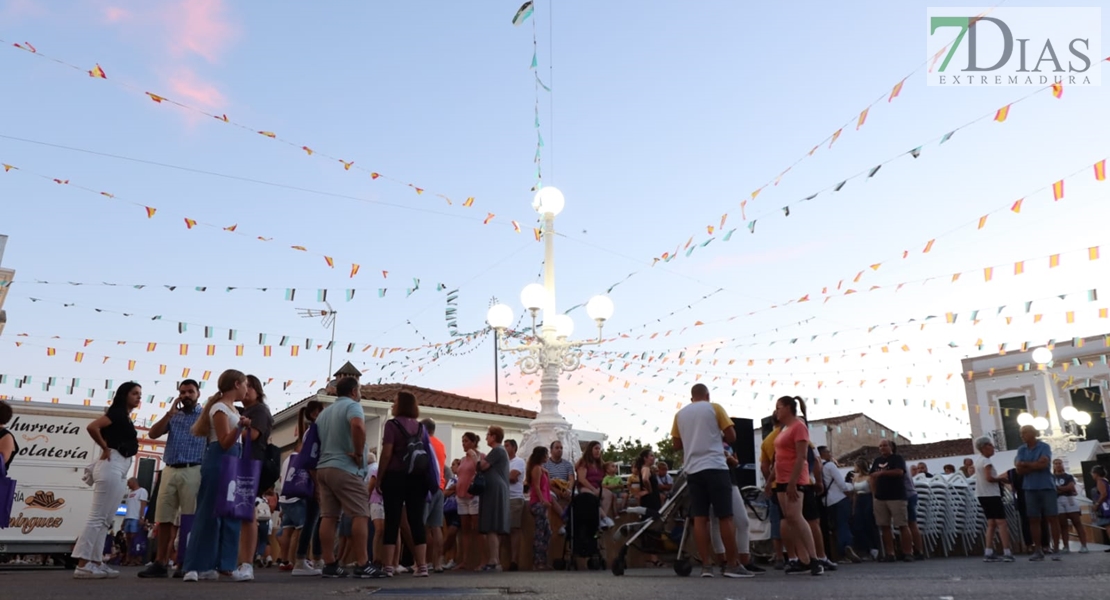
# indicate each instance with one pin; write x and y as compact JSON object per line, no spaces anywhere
{"x":615,"y":484}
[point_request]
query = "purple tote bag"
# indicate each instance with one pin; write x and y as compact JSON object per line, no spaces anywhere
{"x":238,"y":485}
{"x":297,"y":482}
{"x":7,"y":496}
{"x":310,"y":451}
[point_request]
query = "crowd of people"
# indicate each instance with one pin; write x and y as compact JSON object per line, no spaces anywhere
{"x":367,"y":515}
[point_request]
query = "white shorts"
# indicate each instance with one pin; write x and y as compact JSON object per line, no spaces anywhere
{"x":377,"y":512}
{"x":1067,"y":504}
{"x":468,"y":506}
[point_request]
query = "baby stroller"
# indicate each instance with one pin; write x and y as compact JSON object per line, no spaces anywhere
{"x":665,"y":532}
{"x":581,"y":539}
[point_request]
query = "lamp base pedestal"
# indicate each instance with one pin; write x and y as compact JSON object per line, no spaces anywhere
{"x":544,"y":434}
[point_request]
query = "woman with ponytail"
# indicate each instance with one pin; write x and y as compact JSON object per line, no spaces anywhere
{"x":794,"y":485}
{"x":310,"y":532}
{"x":213,"y":544}
{"x":115,"y":434}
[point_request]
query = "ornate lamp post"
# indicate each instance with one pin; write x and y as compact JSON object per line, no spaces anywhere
{"x":549,"y":352}
{"x":1068,"y":427}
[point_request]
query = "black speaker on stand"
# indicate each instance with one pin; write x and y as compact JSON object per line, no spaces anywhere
{"x":744,"y":447}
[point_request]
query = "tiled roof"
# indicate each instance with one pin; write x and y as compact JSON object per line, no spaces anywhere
{"x":387,"y":392}
{"x":941,"y":449}
{"x":837,"y":420}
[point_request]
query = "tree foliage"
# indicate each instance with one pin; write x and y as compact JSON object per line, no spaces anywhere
{"x":625,"y":451}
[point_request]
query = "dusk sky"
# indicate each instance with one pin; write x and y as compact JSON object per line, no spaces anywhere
{"x":661,"y":119}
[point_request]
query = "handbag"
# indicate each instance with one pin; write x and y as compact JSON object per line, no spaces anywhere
{"x":7,"y":495}
{"x":271,"y":468}
{"x":298,"y":481}
{"x":478,"y":485}
{"x":238,"y":485}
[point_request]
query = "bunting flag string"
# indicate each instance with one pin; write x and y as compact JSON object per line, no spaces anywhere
{"x":289,"y":293}
{"x":190,"y":223}
{"x":263,"y":339}
{"x":223,"y":118}
{"x":864,"y":174}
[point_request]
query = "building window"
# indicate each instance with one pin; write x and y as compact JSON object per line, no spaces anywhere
{"x":1090,"y":400}
{"x":1009,"y":409}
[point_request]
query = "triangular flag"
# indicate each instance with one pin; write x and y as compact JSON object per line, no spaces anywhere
{"x":1017,"y":206}
{"x":982,"y":221}
{"x":916,"y":152}
{"x":928,"y":247}
{"x":862,"y":118}
{"x":1058,"y":190}
{"x":97,"y":72}
{"x":1002,"y":113}
{"x":150,"y":212}
{"x":835,"y":136}
{"x":1100,"y":170}
{"x":897,"y":90}
{"x":190,"y":223}
{"x":1058,"y":89}
{"x":354,"y":269}
{"x":947,"y":136}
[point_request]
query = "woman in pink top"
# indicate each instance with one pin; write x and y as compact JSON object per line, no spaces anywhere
{"x":591,"y":470}
{"x":468,"y":504}
{"x":539,"y":503}
{"x":792,"y":482}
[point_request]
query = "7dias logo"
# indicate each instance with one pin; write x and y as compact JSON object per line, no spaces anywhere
{"x":969,"y":47}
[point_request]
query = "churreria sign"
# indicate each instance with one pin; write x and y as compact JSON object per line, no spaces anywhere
{"x":969,"y":47}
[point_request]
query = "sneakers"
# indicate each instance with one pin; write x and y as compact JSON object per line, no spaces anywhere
{"x":371,"y":571}
{"x":795,"y":567}
{"x":421,"y":572}
{"x":1007,"y":558}
{"x":1038,"y":556}
{"x":333,"y":571}
{"x":1083,"y":550}
{"x":851,"y":555}
{"x":154,"y":571}
{"x":816,"y":568}
{"x":245,"y":572}
{"x":827,"y":564}
{"x":306,"y":569}
{"x":1055,"y":557}
{"x":89,"y":571}
{"x":606,"y":522}
{"x":707,"y":572}
{"x":402,"y":569}
{"x":205,"y":576}
{"x":737,"y":572}
{"x":754,"y":568}
{"x":992,"y":558}
{"x":491,"y":569}
{"x":450,"y":566}
{"x":285,"y":567}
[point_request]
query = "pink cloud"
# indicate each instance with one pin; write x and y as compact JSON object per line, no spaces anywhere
{"x":116,"y":14}
{"x":17,"y":9}
{"x":199,"y":27}
{"x":195,"y":91}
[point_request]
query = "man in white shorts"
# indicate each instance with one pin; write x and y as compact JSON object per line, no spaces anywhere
{"x":1067,"y":504}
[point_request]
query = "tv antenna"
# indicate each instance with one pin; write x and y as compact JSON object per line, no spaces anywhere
{"x":327,"y":319}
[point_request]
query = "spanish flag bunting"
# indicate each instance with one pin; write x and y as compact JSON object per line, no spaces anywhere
{"x":155,"y":97}
{"x":955,"y":277}
{"x":79,"y":357}
{"x":812,"y":151}
{"x":267,"y":351}
{"x":1054,"y":261}
{"x":210,"y":350}
{"x":206,"y":375}
{"x":130,"y":365}
{"x":928,"y":246}
{"x":469,"y":202}
{"x":982,"y":221}
{"x":185,"y":372}
{"x":221,"y":118}
{"x":385,"y":274}
{"x":1070,"y":316}
{"x":301,"y":248}
{"x":1092,"y":253}
{"x":8,"y":167}
{"x":1019,"y":267}
{"x":87,"y":402}
{"x":1017,"y":206}
{"x":857,"y":277}
{"x":1002,"y":113}
{"x":835,"y":136}
{"x":988,"y":273}
{"x":516,"y":226}
{"x":189,"y":223}
{"x":489,"y":217}
{"x":150,"y":211}
{"x":1102,"y":313}
{"x":184,"y":349}
{"x":418,"y":190}
{"x":709,"y":228}
{"x":346,"y":165}
{"x":1058,"y":89}
{"x":50,"y":352}
{"x":239,"y":350}
{"x":724,"y":218}
{"x":97,"y":72}
{"x":231,"y":228}
{"x":87,"y":342}
{"x":294,"y":350}
{"x":862,"y":118}
{"x":354,"y":270}
{"x":307,"y":150}
{"x":1100,"y":170}
{"x":268,"y":134}
{"x":875,"y":267}
{"x":897,"y":90}
{"x":161,"y":369}
{"x":330,"y":261}
{"x":375,"y":175}
{"x":539,"y":235}
{"x":1058,"y":190}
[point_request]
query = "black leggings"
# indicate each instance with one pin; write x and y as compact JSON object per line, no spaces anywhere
{"x":404,"y":491}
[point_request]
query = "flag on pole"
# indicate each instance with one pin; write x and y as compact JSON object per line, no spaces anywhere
{"x":523,"y":13}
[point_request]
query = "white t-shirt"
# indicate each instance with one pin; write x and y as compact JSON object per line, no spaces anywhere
{"x":699,"y":426}
{"x":232,"y":417}
{"x":516,"y":490}
{"x":984,"y":488}
{"x":134,"y":500}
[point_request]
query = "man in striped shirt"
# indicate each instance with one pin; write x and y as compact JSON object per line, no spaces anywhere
{"x":559,"y":470}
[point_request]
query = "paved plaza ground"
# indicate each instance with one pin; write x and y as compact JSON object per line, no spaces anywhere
{"x":1079,"y":577}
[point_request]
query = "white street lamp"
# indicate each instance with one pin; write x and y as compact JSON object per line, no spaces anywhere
{"x":1083,"y":419}
{"x":1025,"y":419}
{"x":1040,"y":423}
{"x":549,"y":351}
{"x":1068,"y":427}
{"x":1042,"y":356}
{"x":1068,"y":413}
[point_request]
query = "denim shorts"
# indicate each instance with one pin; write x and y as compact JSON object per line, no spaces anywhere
{"x":293,"y":514}
{"x":131,"y":526}
{"x":911,"y":508}
{"x":1040,"y":503}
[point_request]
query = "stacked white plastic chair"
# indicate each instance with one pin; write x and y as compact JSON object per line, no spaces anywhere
{"x":926,"y":514}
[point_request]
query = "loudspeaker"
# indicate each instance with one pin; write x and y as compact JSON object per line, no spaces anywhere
{"x":146,"y":473}
{"x":744,"y":447}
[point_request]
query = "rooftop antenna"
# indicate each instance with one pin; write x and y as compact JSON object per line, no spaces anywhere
{"x":327,"y":319}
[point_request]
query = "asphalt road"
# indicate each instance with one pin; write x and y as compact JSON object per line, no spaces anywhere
{"x":1078,"y":577}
